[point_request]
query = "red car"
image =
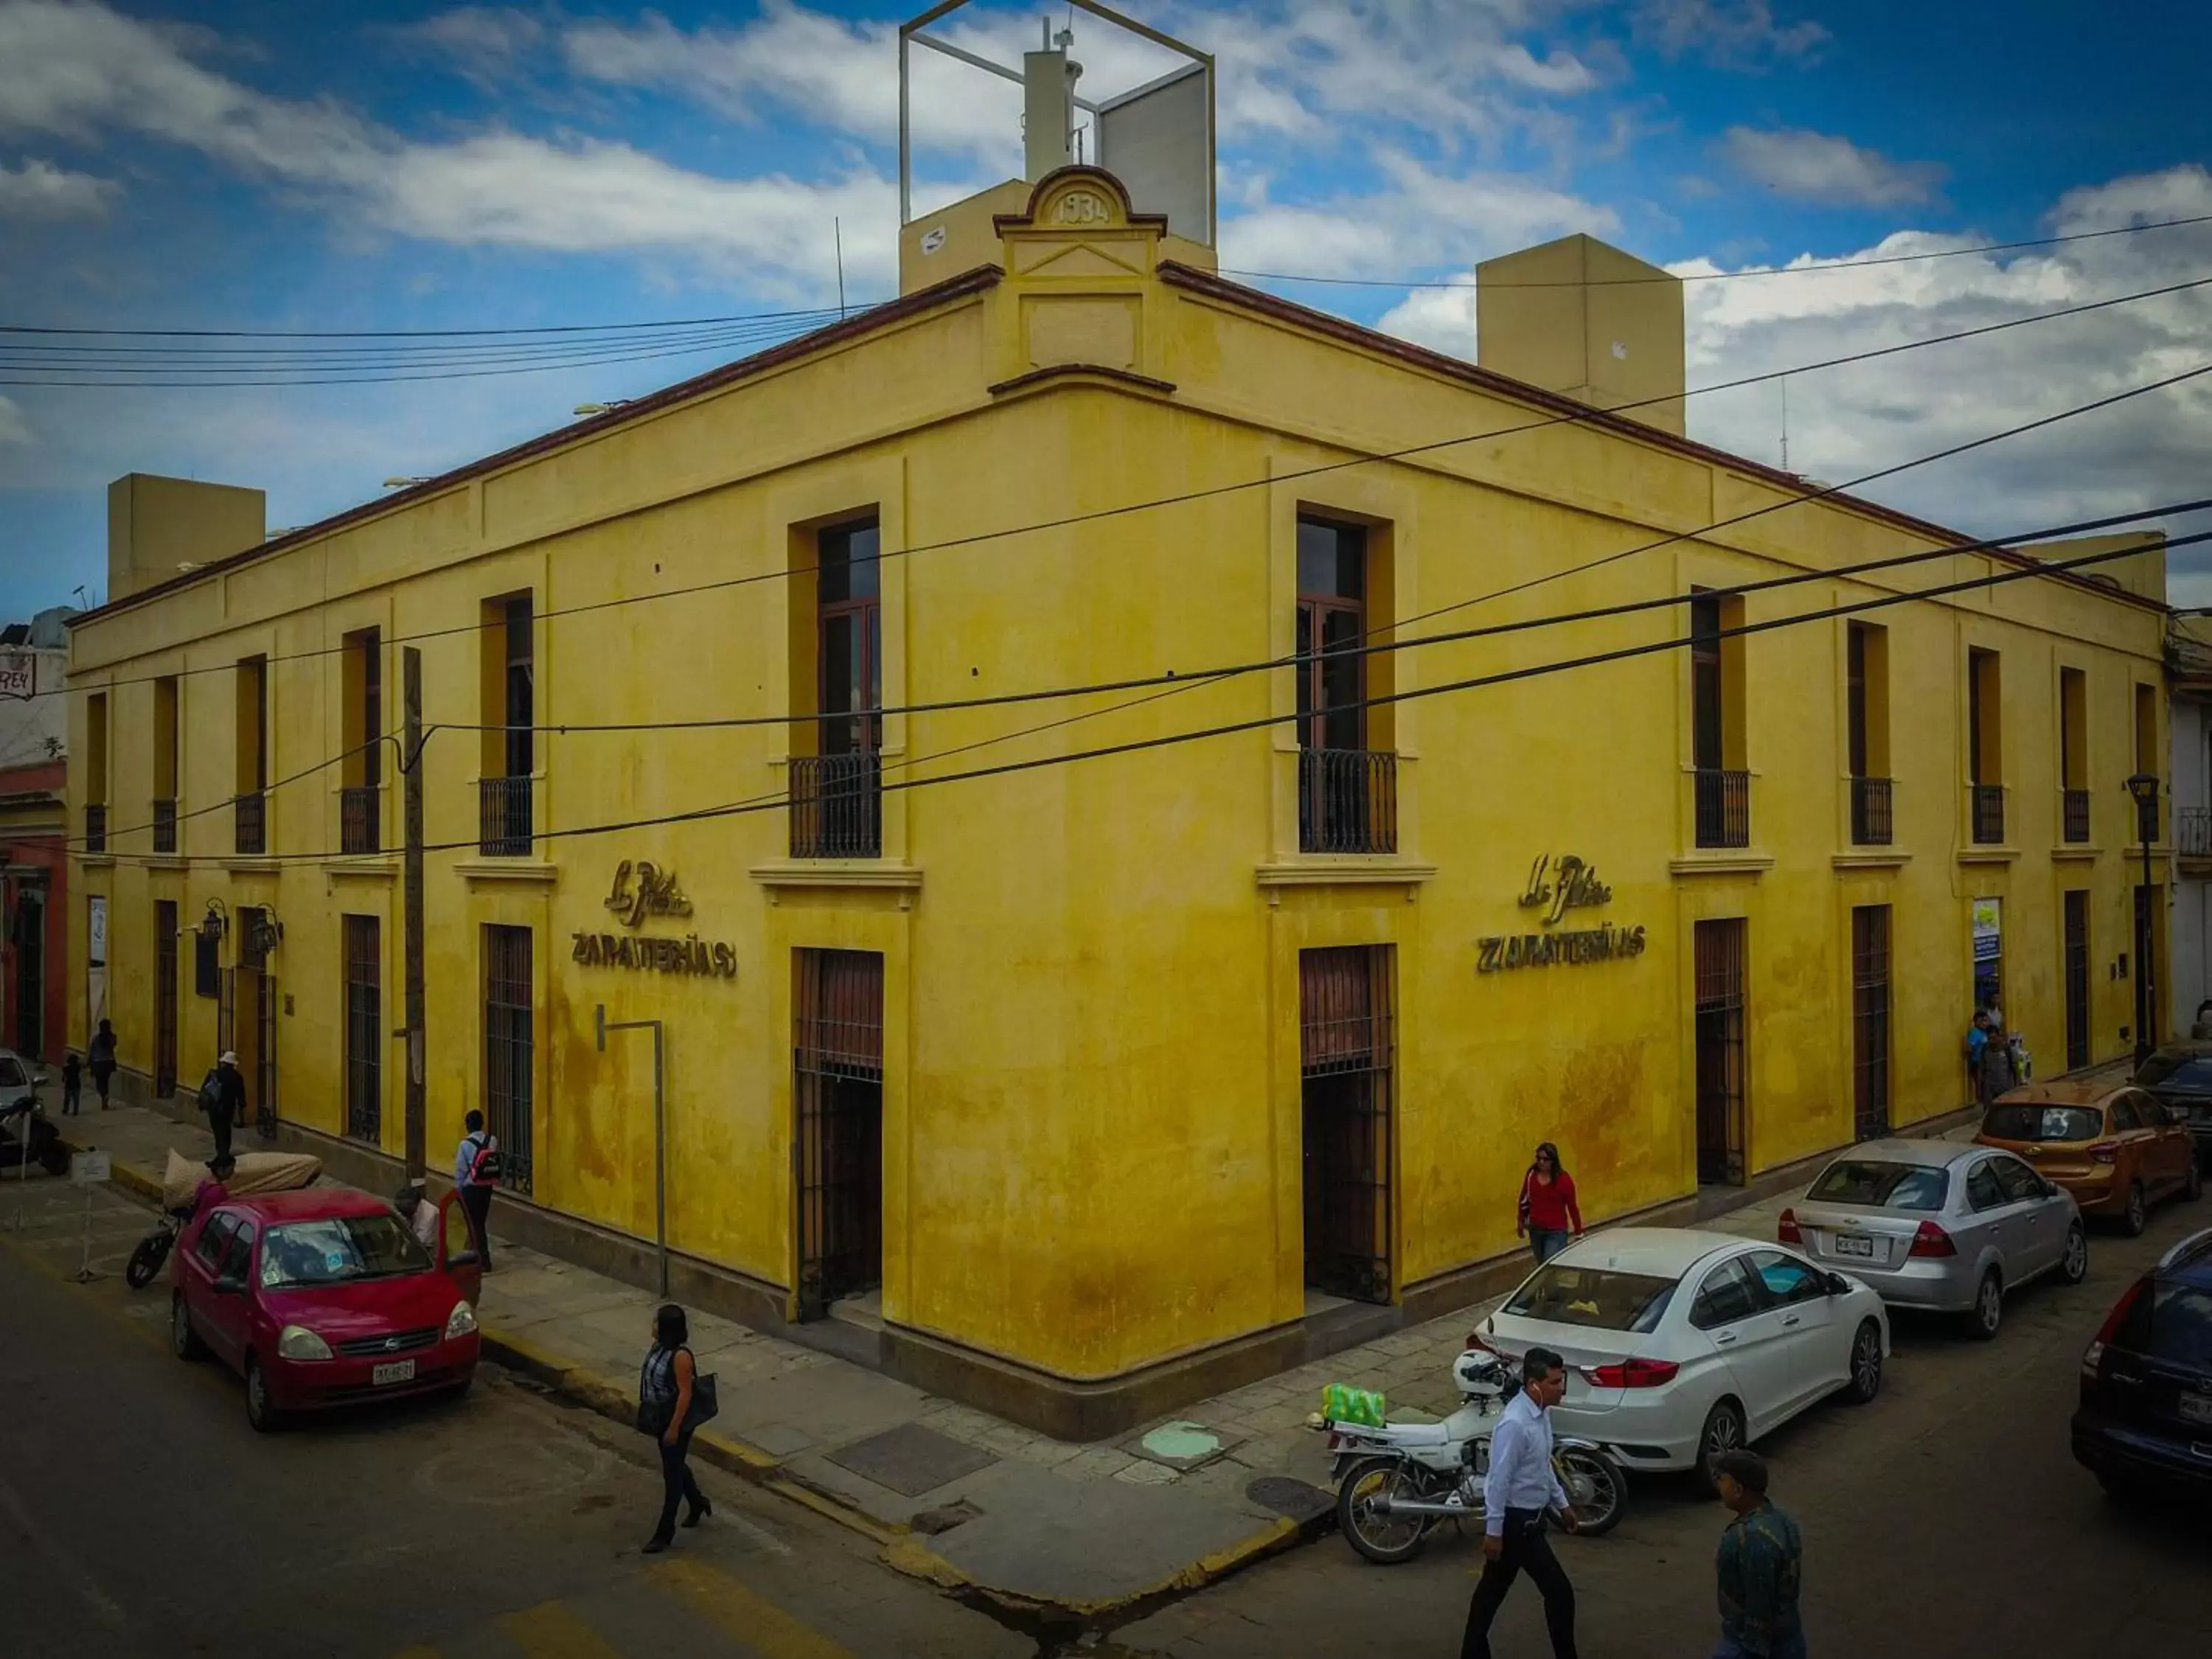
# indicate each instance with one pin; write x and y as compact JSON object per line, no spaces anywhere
{"x":322,"y":1298}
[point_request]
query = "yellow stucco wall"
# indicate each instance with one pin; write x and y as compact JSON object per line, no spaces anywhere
{"x":1092,"y":1120}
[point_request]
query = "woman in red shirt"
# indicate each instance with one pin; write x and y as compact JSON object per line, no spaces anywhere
{"x":1549,"y":1217}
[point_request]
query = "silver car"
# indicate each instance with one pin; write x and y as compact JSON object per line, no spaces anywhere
{"x":1939,"y":1225}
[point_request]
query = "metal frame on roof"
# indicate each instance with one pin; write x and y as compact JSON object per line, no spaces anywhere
{"x":1201,"y":63}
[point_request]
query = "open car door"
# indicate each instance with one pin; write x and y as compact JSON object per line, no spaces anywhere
{"x":457,"y":1248}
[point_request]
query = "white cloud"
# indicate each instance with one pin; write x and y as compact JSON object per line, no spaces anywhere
{"x":1819,"y":167}
{"x":39,"y":189}
{"x":1730,"y":33}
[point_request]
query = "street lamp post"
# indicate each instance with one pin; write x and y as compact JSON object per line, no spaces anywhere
{"x":2142,"y":787}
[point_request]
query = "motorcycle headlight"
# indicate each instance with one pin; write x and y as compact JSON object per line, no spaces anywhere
{"x":460,"y":1321}
{"x":298,"y":1342}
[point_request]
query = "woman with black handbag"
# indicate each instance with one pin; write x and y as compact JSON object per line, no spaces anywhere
{"x":673,"y":1400}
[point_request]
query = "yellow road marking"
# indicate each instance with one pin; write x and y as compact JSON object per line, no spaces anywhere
{"x":551,"y":1631}
{"x":757,"y":1622}
{"x":417,"y":1653}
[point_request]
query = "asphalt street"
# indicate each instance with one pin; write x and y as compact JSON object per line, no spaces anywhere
{"x":140,"y":1515}
{"x":1947,"y":1520}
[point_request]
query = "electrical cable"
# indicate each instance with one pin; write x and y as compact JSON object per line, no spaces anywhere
{"x":1208,"y":492}
{"x":1733,"y":276}
{"x":1990,"y":580}
{"x":411,"y":333}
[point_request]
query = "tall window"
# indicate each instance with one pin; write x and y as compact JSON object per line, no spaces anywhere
{"x":1867,"y":708}
{"x":2077,"y":979}
{"x":520,"y":712}
{"x":2073,"y":753}
{"x":95,"y":773}
{"x":361,"y":826}
{"x":1346,"y":1045}
{"x":1348,"y":794}
{"x":2146,"y":747}
{"x":1870,"y":1004}
{"x":252,"y":755}
{"x":1719,"y":949}
{"x":1985,"y":745}
{"x":165,"y":764}
{"x":1723,"y":787}
{"x":164,"y":999}
{"x":510,"y":1051}
{"x":364,"y":1029}
{"x":506,"y":820}
{"x":836,"y":793}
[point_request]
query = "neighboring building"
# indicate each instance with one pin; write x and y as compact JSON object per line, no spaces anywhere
{"x":1106,"y":1082}
{"x":2189,"y":675}
{"x":34,"y":860}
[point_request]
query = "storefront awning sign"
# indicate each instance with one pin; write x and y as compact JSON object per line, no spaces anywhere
{"x":1557,"y":885}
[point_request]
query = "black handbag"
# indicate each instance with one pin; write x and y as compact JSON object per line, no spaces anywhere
{"x":706,"y":1403}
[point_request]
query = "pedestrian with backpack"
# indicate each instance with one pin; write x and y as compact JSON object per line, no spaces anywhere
{"x":476,"y":1174}
{"x":222,"y":1097}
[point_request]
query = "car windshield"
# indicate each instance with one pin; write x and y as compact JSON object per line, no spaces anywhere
{"x":2182,"y":1067}
{"x":2174,"y":1322}
{"x":1881,"y":1186}
{"x":12,"y":1075}
{"x":2033,"y":1122}
{"x":339,"y":1251}
{"x":1598,"y":1297}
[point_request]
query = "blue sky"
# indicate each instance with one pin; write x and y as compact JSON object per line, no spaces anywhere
{"x":262,"y":164}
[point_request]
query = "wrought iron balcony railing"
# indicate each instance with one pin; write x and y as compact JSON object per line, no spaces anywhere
{"x":250,"y":823}
{"x":837,"y":805}
{"x":1871,"y":824}
{"x":1724,"y":808}
{"x":1348,"y":800}
{"x":504,"y":818}
{"x":165,"y":825}
{"x":359,"y":811}
{"x":1988,"y":805}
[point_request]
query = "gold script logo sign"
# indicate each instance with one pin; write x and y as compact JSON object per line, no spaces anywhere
{"x":644,"y":889}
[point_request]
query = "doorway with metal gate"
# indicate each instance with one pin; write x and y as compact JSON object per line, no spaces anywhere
{"x":837,"y":1149}
{"x":1346,"y":1055}
{"x":1722,"y":1060}
{"x":31,"y":974}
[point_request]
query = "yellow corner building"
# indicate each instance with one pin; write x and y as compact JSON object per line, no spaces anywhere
{"x":1082,"y":1084}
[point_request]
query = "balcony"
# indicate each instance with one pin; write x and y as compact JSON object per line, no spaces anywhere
{"x":837,"y":805}
{"x":359,"y":812}
{"x":503,"y":818}
{"x":1870,"y":812}
{"x":1724,"y":808}
{"x":2192,"y":832}
{"x":165,"y":825}
{"x":1348,"y":800}
{"x":1989,"y":825}
{"x":250,"y":821}
{"x":95,"y":829}
{"x":2075,"y":815}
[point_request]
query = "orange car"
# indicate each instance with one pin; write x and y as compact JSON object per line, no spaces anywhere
{"x":2112,"y":1146}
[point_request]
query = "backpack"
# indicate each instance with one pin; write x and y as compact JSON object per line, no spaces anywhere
{"x":211,"y":1089}
{"x":484,"y":1167}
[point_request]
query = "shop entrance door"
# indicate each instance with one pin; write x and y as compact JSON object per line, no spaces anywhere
{"x":31,"y":976}
{"x":837,"y":1151}
{"x":1346,"y":1054}
{"x":1719,"y":947}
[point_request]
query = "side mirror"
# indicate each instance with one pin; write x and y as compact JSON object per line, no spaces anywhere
{"x":38,"y":1079}
{"x":1838,"y":1285}
{"x":462,"y":1259}
{"x":230,"y":1285}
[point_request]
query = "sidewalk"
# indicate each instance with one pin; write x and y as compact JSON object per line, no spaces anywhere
{"x":1045,"y":1530}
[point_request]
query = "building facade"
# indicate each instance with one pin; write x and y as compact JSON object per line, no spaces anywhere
{"x":34,"y":864}
{"x":2188,"y":663}
{"x":1078,"y":1070}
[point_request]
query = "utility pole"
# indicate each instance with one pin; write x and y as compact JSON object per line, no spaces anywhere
{"x":410,"y":772}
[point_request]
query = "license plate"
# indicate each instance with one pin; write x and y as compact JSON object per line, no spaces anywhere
{"x":2195,"y":1408}
{"x":1847,"y":1245}
{"x":399,"y":1370}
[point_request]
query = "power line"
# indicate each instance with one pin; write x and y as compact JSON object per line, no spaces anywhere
{"x":1181,"y":678}
{"x":1732,"y":276}
{"x":1263,"y":723}
{"x":410,"y":334}
{"x":1211,"y":491}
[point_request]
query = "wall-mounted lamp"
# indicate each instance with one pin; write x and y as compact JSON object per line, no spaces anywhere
{"x":216,"y":922}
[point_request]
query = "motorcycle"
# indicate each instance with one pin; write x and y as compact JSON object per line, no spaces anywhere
{"x":251,"y":1172}
{"x":27,"y":1136}
{"x":1397,"y":1482}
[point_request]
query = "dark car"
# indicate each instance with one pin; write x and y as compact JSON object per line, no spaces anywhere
{"x":2180,"y":1075}
{"x":2146,"y":1411}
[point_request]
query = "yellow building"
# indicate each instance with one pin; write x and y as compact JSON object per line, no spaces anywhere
{"x":1094,"y":1085}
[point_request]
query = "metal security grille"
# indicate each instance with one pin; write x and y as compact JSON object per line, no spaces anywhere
{"x":264,"y":1056}
{"x":510,"y":1056}
{"x":364,"y":1029}
{"x":2077,"y":979}
{"x":837,"y":1155}
{"x":1719,"y":948}
{"x":30,"y":976}
{"x":1870,"y":1004}
{"x":1346,"y":1049}
{"x":164,"y":999}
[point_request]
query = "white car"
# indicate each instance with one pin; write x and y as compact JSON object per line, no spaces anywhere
{"x":1681,"y":1345}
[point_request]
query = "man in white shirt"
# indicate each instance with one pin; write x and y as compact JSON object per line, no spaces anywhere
{"x":1520,"y":1487}
{"x":420,"y":1215}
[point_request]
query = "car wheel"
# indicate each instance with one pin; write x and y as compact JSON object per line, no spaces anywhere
{"x":1989,"y":1307}
{"x":264,"y":1416}
{"x":184,"y":1341}
{"x":2074,"y":1266}
{"x":2136,"y":1216}
{"x":1723,"y":1432}
{"x":1866,"y":1364}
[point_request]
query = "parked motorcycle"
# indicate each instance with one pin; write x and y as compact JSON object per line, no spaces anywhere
{"x":250,"y":1172}
{"x":26,"y":1135}
{"x":1395,"y":1483}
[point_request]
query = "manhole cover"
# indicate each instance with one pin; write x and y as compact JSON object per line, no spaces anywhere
{"x":1181,"y":1446}
{"x":1295,"y":1498}
{"x":911,"y":1459}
